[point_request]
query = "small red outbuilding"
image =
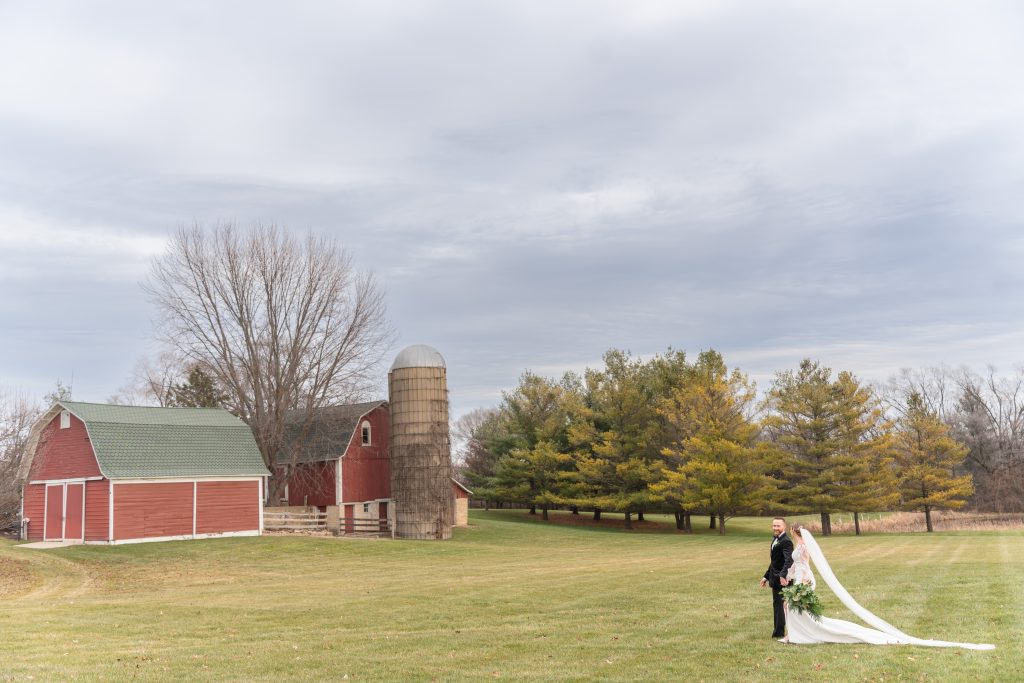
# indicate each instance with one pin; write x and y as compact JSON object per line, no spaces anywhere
{"x":126,"y":474}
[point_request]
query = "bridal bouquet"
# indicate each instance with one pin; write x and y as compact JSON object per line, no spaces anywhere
{"x":802,"y":598}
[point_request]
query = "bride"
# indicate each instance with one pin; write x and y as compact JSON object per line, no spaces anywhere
{"x":805,"y":629}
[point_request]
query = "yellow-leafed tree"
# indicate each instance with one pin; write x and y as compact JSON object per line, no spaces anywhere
{"x":718,"y":465}
{"x":926,"y":460}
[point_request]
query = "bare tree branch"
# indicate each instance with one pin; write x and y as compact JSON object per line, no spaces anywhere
{"x":17,"y":413}
{"x":282,"y":324}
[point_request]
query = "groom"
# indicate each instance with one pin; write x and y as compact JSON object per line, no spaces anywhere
{"x":782,"y":558}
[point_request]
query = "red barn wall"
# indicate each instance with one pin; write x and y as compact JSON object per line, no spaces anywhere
{"x":34,"y":510}
{"x":227,"y":506}
{"x":366,"y":471}
{"x":152,"y":510}
{"x":63,"y":453}
{"x":313,"y":482}
{"x":97,"y":510}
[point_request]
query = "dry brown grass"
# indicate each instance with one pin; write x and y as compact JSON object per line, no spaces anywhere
{"x":16,"y":576}
{"x":944,"y":520}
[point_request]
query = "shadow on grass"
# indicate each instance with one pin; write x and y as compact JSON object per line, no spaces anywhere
{"x":613,"y":523}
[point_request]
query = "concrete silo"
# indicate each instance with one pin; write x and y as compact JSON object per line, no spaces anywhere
{"x":421,"y":461}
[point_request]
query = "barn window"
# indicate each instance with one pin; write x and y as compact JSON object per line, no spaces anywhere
{"x":366,"y":433}
{"x":366,"y":507}
{"x":65,"y":419}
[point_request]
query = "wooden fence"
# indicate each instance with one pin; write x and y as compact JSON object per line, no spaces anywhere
{"x":311,"y":519}
{"x":365,"y":525}
{"x":294,"y":519}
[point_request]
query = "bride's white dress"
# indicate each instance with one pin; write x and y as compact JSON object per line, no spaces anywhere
{"x":804,"y":629}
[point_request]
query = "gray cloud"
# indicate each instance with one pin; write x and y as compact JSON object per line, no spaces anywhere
{"x":532,"y":183}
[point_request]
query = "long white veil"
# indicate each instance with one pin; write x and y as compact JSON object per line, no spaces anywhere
{"x":825,"y":572}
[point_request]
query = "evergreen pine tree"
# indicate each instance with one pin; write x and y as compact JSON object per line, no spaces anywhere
{"x":926,"y":460}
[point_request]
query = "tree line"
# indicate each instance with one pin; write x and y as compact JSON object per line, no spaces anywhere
{"x":695,"y":438}
{"x":275,"y":327}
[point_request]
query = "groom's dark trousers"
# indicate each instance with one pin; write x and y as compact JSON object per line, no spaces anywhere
{"x":781,"y":560}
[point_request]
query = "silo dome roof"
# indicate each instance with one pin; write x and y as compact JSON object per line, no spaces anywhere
{"x":418,"y":356}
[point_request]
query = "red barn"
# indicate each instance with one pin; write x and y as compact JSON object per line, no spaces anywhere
{"x":126,"y":474}
{"x":340,"y":457}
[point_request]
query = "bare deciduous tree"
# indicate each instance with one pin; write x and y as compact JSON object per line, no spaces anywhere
{"x":468,"y":435}
{"x":990,"y":422}
{"x":936,"y":386}
{"x":986,"y":413}
{"x":17,"y":413}
{"x":283,"y":324}
{"x":152,"y":379}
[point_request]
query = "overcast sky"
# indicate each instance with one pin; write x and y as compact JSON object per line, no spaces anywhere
{"x":532,"y":182}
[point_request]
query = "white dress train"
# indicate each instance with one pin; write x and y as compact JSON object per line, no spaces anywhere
{"x":804,"y":629}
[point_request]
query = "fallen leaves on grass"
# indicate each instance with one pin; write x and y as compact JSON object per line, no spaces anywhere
{"x":15,"y":576}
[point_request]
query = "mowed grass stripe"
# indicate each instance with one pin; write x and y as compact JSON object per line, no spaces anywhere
{"x":511,"y":598}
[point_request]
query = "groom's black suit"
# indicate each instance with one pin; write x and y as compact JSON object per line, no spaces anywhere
{"x":782,"y":559}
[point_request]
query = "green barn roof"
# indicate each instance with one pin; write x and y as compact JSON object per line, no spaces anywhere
{"x":143,"y":442}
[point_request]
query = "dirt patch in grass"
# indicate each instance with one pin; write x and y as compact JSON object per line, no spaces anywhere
{"x":16,"y":576}
{"x":323,"y":533}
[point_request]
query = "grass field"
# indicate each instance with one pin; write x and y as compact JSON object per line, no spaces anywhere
{"x":510,"y":598}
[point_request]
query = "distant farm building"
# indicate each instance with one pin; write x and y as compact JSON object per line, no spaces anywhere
{"x":123,"y":474}
{"x":344,"y":461}
{"x":382,"y":460}
{"x":339,"y":456}
{"x":462,"y":495}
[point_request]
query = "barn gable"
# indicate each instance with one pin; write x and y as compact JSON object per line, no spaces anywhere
{"x":326,"y":435}
{"x":71,"y":440}
{"x":330,"y":461}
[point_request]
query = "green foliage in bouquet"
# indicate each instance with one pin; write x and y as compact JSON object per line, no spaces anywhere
{"x":802,"y":598}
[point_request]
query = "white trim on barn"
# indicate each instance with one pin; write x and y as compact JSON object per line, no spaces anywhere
{"x":84,"y":487}
{"x":64,"y":511}
{"x":75,"y":480}
{"x":110,"y":501}
{"x":340,"y":492}
{"x":46,"y":505}
{"x":248,"y":477}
